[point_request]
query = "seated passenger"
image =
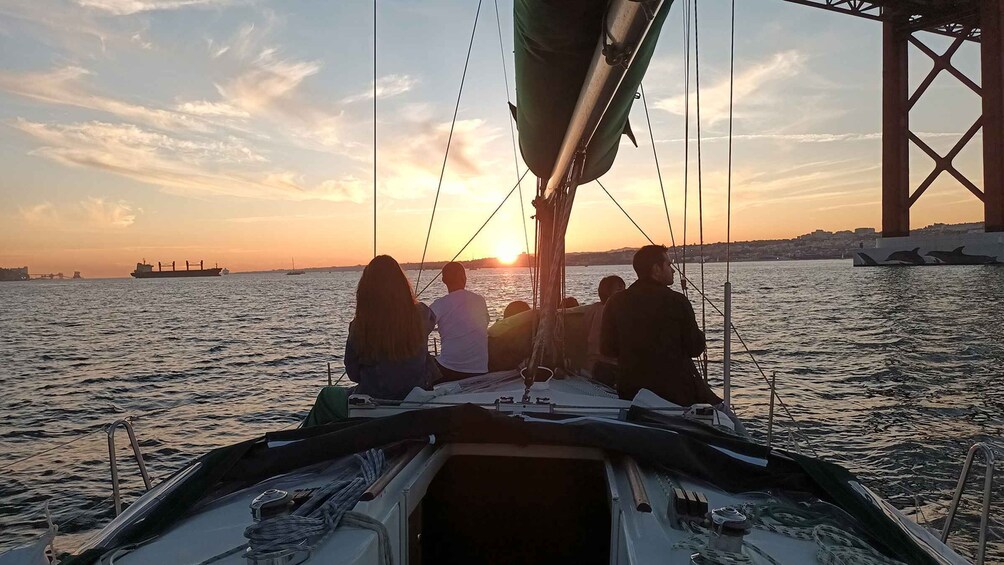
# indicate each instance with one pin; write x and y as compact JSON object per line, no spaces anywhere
{"x":604,"y":368}
{"x":515,"y":307}
{"x":387,"y":350}
{"x":568,"y":302}
{"x":462,"y":318}
{"x":509,"y":339}
{"x":652,"y":331}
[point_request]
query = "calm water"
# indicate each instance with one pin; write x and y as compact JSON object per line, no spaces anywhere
{"x":891,"y":372}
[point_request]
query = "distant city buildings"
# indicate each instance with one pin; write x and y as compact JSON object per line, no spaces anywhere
{"x":15,"y":274}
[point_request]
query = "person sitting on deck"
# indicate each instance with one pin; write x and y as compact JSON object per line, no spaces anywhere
{"x":509,"y":339}
{"x":515,"y":307}
{"x":462,"y":318}
{"x":387,"y":350}
{"x":568,"y":302}
{"x":604,"y":368}
{"x":652,"y":332}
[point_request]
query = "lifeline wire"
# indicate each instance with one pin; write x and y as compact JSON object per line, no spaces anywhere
{"x":449,"y":141}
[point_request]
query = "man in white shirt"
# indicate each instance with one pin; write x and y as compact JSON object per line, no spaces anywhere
{"x":462,"y":319}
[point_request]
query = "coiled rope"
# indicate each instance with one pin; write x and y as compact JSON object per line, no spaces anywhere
{"x":309,"y":525}
{"x":835,"y":545}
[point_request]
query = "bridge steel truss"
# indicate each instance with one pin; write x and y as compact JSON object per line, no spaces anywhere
{"x":980,"y":21}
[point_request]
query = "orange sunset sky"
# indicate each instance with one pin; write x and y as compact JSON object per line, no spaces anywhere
{"x":239,"y":132}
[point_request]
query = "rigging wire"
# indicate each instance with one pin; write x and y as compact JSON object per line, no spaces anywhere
{"x":625,"y":212}
{"x":658,"y":170}
{"x":469,"y":241}
{"x":700,"y":177}
{"x":686,"y":135}
{"x":52,"y":448}
{"x":512,"y":135}
{"x":728,"y":201}
{"x":449,"y":141}
{"x":374,"y":128}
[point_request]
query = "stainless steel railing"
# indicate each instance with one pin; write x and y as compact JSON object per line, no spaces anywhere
{"x":137,"y":453}
{"x":988,"y":483}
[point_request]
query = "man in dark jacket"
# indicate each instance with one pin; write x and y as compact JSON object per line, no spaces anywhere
{"x":652,"y":331}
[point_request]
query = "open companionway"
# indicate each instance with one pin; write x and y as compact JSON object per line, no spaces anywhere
{"x":484,"y":509}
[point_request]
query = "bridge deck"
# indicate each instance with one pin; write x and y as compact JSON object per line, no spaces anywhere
{"x":947,"y":17}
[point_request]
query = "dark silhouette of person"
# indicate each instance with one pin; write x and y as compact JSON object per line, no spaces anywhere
{"x":515,"y":307}
{"x":652,"y":332}
{"x":568,"y":302}
{"x":387,"y":350}
{"x":604,"y":368}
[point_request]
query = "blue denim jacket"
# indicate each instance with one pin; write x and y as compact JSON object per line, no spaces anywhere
{"x":393,"y":380}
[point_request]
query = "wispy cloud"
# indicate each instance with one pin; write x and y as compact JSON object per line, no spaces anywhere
{"x":262,"y":80}
{"x":92,"y":213}
{"x":189,"y":167}
{"x":129,"y":7}
{"x":66,"y":86}
{"x":748,"y":82}
{"x":142,"y":43}
{"x":102,"y":212}
{"x":418,"y":152}
{"x":212,"y":109}
{"x":41,"y":214}
{"x":386,"y":87}
{"x":268,"y":83}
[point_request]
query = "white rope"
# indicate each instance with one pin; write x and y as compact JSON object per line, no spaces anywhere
{"x":835,"y":546}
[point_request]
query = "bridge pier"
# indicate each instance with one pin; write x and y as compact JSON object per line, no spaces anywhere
{"x":992,"y":55}
{"x":895,"y":130}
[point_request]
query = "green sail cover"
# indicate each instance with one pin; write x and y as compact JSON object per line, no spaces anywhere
{"x":555,"y":41}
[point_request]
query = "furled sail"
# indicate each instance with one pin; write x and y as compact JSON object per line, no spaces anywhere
{"x":558,"y":45}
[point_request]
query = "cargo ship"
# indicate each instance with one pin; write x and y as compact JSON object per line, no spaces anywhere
{"x":146,"y":271}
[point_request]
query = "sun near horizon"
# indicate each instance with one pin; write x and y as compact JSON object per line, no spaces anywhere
{"x":507,"y":252}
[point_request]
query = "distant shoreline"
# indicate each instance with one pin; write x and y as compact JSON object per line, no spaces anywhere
{"x":817,"y":245}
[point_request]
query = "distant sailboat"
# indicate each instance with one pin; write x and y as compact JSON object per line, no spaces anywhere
{"x":294,"y":271}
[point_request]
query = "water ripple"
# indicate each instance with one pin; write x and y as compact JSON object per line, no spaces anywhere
{"x":889,"y":372}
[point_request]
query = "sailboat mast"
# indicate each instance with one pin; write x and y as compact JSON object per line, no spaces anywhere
{"x":626,"y":23}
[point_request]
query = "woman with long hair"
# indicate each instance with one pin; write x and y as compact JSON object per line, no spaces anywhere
{"x":387,"y":350}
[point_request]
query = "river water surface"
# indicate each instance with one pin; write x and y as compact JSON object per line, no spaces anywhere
{"x":891,"y":372}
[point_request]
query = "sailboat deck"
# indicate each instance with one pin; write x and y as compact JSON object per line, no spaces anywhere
{"x":636,"y":536}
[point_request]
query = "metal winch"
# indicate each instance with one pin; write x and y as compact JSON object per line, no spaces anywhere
{"x":728,"y":528}
{"x":273,"y":503}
